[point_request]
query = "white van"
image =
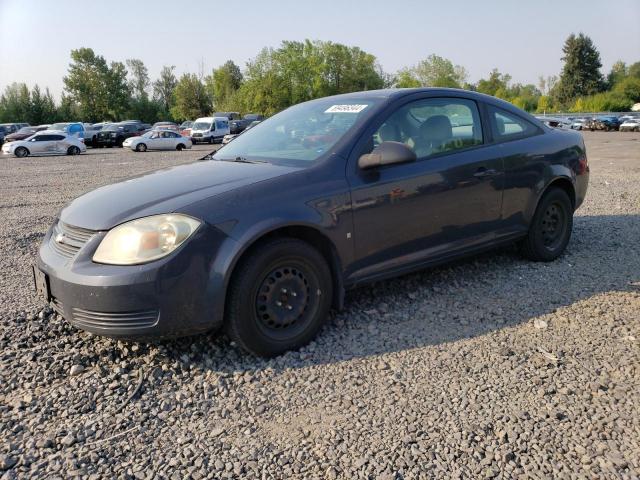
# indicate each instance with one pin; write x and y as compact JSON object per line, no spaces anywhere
{"x":209,"y":129}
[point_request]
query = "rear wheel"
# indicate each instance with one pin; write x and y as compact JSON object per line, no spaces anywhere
{"x":21,"y":152}
{"x":550,"y":229}
{"x":141,"y":147}
{"x":279,"y":298}
{"x":73,"y":150}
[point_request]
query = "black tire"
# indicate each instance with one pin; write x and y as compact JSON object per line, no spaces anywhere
{"x":141,"y":147}
{"x":550,"y":229}
{"x":72,"y":150}
{"x":211,"y":140}
{"x":180,"y":147}
{"x":21,"y":152}
{"x":279,"y":297}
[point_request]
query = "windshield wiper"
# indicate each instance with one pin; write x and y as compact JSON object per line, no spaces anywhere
{"x":239,"y":160}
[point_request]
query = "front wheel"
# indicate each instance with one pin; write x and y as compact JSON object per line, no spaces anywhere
{"x":279,"y":297}
{"x":550,"y":229}
{"x":141,"y":147}
{"x":73,"y":150}
{"x":180,"y":147}
{"x":21,"y":152}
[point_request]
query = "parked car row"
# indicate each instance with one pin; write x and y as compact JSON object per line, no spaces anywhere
{"x":213,"y":129}
{"x":134,"y":134}
{"x":9,"y":128}
{"x":628,"y":123}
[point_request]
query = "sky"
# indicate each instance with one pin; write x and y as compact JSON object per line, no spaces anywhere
{"x":522,"y":38}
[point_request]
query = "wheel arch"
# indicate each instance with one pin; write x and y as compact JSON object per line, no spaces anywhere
{"x":564,"y":183}
{"x":306,"y":233}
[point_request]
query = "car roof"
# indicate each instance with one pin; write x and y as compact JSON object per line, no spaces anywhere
{"x":391,"y":94}
{"x":49,"y":132}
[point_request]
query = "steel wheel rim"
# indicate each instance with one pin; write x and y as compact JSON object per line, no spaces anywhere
{"x":553,"y":225}
{"x":286,"y":301}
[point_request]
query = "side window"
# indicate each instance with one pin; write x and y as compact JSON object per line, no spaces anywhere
{"x":508,"y":126}
{"x":221,"y":124}
{"x":56,"y":137}
{"x":43,"y":138}
{"x":433,"y":126}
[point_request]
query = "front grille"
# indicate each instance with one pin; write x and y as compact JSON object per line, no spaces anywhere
{"x":110,"y":321}
{"x":67,"y":240}
{"x":197,"y":135}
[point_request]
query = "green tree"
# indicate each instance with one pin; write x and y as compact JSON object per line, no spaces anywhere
{"x":118,"y":91}
{"x":496,"y":83}
{"x":139,"y":81}
{"x":300,"y":71}
{"x":163,"y":88}
{"x":618,"y":72}
{"x":42,"y":107}
{"x":545,"y":104}
{"x":100,"y":90}
{"x":15,"y":103}
{"x":68,"y":110}
{"x":581,"y":71}
{"x":629,"y":88}
{"x":191,"y":99}
{"x":433,"y":71}
{"x":222,"y":85}
{"x":405,"y":78}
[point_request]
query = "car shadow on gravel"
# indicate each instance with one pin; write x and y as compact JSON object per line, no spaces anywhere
{"x":460,"y":300}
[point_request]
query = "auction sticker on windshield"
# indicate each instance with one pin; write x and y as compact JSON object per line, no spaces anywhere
{"x":345,"y":109}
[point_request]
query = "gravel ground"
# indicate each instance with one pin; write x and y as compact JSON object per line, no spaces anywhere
{"x":493,"y":367}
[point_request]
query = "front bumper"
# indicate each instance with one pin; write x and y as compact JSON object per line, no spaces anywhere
{"x":170,"y":297}
{"x":107,"y":141}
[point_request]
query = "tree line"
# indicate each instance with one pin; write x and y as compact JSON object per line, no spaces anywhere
{"x":97,"y":90}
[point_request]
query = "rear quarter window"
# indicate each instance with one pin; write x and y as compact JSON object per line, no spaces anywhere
{"x":508,"y":126}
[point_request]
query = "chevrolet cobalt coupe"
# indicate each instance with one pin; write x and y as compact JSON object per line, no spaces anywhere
{"x":264,"y":236}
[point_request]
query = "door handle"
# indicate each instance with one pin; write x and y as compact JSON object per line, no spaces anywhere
{"x":485,"y":172}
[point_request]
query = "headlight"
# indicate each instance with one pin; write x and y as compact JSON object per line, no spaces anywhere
{"x":145,"y":239}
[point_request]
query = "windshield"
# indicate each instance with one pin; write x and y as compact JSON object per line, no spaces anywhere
{"x":301,"y":133}
{"x":112,"y":128}
{"x":201,"y":126}
{"x":59,"y":126}
{"x":27,"y":130}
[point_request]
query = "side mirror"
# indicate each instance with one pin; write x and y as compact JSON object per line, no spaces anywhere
{"x":387,"y":153}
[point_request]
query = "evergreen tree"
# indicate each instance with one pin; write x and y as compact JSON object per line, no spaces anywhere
{"x":581,"y":71}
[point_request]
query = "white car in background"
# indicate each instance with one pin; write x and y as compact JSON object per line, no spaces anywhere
{"x":158,"y":140}
{"x":46,"y":142}
{"x":209,"y":129}
{"x":630,"y":125}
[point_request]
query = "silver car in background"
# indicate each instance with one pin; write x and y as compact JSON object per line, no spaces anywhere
{"x":161,"y":139}
{"x":46,"y":142}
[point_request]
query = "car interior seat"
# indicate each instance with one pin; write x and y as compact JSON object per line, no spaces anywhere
{"x":433,"y":135}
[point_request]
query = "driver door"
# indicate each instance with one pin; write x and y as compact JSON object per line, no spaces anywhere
{"x":447,"y":200}
{"x":40,"y":143}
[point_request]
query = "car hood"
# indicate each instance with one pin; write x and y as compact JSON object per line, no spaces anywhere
{"x":163,"y":191}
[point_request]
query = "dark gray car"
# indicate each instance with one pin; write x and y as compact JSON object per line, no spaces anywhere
{"x":265,"y":236}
